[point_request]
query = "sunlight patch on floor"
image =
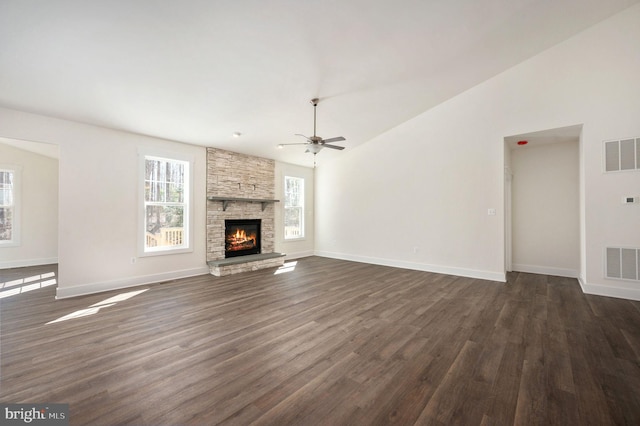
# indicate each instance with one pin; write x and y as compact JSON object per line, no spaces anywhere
{"x":286,"y":267}
{"x":95,"y":308}
{"x":24,"y":285}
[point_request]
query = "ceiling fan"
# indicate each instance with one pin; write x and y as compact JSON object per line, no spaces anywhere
{"x":316,"y":143}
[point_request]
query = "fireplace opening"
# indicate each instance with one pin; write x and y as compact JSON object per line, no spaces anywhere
{"x":241,"y":237}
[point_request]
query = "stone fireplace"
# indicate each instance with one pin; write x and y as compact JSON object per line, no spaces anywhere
{"x":240,"y":188}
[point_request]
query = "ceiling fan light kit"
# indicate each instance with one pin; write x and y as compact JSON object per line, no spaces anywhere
{"x":316,"y":143}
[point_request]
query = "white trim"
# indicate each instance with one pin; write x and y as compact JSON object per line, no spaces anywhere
{"x":461,"y":272}
{"x":27,"y":262}
{"x":81,"y":290}
{"x":508,"y":218}
{"x":545,"y":270}
{"x":610,"y":291}
{"x":298,"y":255}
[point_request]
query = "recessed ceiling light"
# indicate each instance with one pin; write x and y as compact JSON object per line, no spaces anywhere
{"x":237,"y":134}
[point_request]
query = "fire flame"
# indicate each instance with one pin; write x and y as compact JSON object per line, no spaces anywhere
{"x":240,"y":240}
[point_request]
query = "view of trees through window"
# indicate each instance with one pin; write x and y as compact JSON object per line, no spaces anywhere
{"x":6,"y":205}
{"x":293,"y":207}
{"x":165,"y":189}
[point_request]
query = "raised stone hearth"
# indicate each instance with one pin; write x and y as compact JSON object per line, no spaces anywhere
{"x":234,"y":183}
{"x":252,"y":262}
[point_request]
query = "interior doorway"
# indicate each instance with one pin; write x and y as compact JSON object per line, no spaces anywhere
{"x":542,"y":202}
{"x":34,"y":200}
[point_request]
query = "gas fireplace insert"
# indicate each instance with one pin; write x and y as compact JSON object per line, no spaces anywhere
{"x":241,"y":237}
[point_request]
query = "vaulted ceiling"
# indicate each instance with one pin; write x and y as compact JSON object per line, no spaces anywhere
{"x":198,"y":71}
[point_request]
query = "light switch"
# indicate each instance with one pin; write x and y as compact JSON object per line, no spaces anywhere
{"x":491,"y":212}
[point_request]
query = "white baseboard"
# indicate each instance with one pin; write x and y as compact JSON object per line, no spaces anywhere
{"x":82,"y":290}
{"x":27,"y":262}
{"x":609,"y":291}
{"x":438,"y":269}
{"x":545,"y":270}
{"x":299,"y":254}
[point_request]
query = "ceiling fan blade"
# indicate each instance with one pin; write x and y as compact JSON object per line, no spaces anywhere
{"x":300,"y":134}
{"x":337,"y":139}
{"x":326,"y":145}
{"x":298,"y":143}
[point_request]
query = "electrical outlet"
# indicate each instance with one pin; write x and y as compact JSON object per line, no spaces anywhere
{"x":491,"y":212}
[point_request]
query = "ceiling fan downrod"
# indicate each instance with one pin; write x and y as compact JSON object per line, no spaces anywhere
{"x":314,"y":101}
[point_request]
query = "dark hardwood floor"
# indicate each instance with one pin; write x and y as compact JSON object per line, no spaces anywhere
{"x":329,"y":342}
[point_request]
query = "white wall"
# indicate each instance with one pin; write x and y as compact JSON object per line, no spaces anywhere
{"x":545,"y":209}
{"x":300,"y":247}
{"x":98,"y":198}
{"x":38,"y":209}
{"x":417,"y":196}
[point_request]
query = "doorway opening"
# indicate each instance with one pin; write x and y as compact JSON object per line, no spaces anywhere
{"x":543,"y":199}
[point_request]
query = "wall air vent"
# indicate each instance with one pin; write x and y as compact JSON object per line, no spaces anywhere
{"x":622,"y":155}
{"x":623,"y":263}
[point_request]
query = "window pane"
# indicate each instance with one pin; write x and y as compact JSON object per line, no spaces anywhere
{"x":154,"y":191}
{"x":294,"y":191}
{"x":6,"y":188}
{"x":6,"y":205}
{"x":164,"y":226}
{"x":166,"y":213}
{"x":293,"y":225}
{"x":6,"y":222}
{"x":6,"y":178}
{"x":6,"y":197}
{"x":293,"y":207}
{"x":175,"y":193}
{"x":164,"y":181}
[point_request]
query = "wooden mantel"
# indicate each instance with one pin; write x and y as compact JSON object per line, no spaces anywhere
{"x":225,"y":201}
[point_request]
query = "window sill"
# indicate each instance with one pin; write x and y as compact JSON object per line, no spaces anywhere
{"x":4,"y":244}
{"x":293,"y":240}
{"x":165,"y":252}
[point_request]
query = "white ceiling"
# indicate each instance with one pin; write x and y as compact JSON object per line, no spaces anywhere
{"x":543,"y":137}
{"x":199,"y":70}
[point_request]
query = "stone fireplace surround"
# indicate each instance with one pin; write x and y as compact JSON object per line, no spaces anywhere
{"x":240,"y":176}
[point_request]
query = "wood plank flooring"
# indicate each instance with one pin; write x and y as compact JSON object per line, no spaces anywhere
{"x":327,"y":343}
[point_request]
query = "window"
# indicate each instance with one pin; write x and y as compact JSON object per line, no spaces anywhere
{"x":9,"y":214}
{"x":166,"y":204}
{"x":293,"y":207}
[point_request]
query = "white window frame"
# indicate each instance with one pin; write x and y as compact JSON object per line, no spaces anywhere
{"x":187,"y":245}
{"x":16,"y":195}
{"x":301,"y":236}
